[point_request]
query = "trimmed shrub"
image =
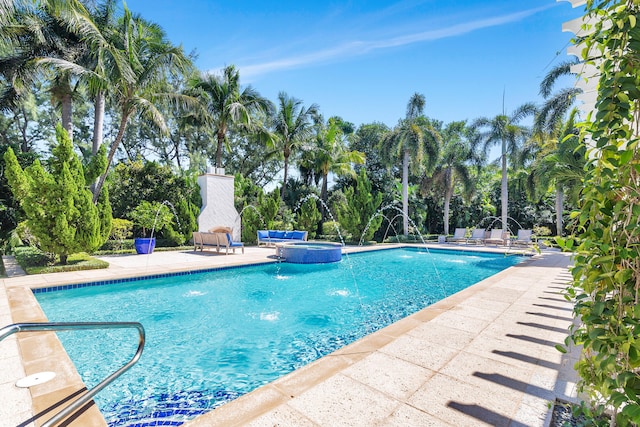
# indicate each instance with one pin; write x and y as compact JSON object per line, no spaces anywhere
{"x":29,"y":256}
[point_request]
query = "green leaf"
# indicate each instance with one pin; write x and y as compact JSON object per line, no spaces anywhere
{"x":632,"y":411}
{"x":622,"y":97}
{"x":598,"y":308}
{"x":634,"y":356}
{"x":618,"y":399}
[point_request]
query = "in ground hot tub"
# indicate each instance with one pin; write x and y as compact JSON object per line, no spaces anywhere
{"x":310,"y":253}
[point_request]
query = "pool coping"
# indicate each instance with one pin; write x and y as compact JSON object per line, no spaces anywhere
{"x":25,"y":309}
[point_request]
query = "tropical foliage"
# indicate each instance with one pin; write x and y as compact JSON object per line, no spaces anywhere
{"x":57,"y":202}
{"x":505,"y":130}
{"x":225,"y":105}
{"x":607,"y":261}
{"x":293,"y":126}
{"x":151,"y":217}
{"x":413,"y":138}
{"x":457,"y":157}
{"x":132,"y":183}
{"x":308,"y":217}
{"x":358,"y":214}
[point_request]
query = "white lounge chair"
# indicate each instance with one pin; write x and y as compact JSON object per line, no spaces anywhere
{"x":524,"y":238}
{"x":459,"y":235}
{"x":496,"y":237}
{"x":477,"y":236}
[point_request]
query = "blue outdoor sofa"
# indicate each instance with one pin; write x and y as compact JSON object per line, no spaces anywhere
{"x":271,"y":237}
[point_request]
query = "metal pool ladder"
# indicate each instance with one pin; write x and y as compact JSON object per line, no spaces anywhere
{"x":69,"y":326}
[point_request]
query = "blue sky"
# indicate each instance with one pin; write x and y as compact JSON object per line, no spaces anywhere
{"x":362,"y":60}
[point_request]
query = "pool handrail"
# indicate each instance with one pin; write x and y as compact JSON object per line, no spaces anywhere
{"x":67,"y":326}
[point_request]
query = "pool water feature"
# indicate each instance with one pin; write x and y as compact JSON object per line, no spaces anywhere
{"x":212,"y":337}
{"x":310,"y":252}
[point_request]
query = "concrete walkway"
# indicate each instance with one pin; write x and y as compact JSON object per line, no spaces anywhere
{"x":484,"y":356}
{"x":11,"y":266}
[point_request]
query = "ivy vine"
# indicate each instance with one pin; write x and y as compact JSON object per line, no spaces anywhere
{"x":606,"y":272}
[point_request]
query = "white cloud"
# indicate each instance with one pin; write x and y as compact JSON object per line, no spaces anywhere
{"x":356,"y":48}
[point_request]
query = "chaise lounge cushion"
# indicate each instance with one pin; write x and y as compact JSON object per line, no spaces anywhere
{"x":263,"y":234}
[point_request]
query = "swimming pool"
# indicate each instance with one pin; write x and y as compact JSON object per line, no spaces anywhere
{"x":215,"y":336}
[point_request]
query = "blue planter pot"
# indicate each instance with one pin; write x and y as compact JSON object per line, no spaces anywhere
{"x":145,"y":245}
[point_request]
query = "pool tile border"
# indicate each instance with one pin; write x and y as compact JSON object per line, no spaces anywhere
{"x":47,"y":289}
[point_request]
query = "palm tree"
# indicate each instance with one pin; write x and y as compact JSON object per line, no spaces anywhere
{"x":293,"y":126}
{"x":87,"y":55}
{"x":36,"y":38}
{"x":556,"y":105}
{"x":331,"y":155}
{"x":560,"y":163}
{"x":503,"y":130}
{"x":412,"y":138}
{"x":151,"y":59}
{"x":226,"y":104}
{"x":456,"y":158}
{"x":103,"y":59}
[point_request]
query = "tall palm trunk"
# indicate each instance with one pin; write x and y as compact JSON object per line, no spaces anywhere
{"x":23,"y":129}
{"x":98,"y":126}
{"x":405,"y":192}
{"x":221,"y":133}
{"x":112,"y":153}
{"x":559,"y":203}
{"x":323,"y":194}
{"x":61,"y":92}
{"x":67,"y":112}
{"x":286,"y":173}
{"x":504,"y":195}
{"x":448,"y":194}
{"x":98,"y":122}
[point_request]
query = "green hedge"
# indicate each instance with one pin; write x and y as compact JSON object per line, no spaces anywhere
{"x":34,"y":261}
{"x":29,"y":256}
{"x":127,"y":245}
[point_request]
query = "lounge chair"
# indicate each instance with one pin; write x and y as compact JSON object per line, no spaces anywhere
{"x":205,"y":239}
{"x":459,"y":235}
{"x":524,"y":238}
{"x":496,"y":237}
{"x":477,"y":236}
{"x":225,"y":241}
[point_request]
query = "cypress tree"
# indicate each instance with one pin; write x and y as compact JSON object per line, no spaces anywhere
{"x":57,"y":201}
{"x":308,"y":217}
{"x":360,"y":207}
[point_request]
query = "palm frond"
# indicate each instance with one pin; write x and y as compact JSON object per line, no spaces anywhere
{"x":560,"y":70}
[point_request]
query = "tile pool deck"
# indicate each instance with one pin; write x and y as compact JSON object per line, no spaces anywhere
{"x":484,"y":356}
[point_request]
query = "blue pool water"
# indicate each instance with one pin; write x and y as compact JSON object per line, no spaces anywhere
{"x":214,"y":336}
